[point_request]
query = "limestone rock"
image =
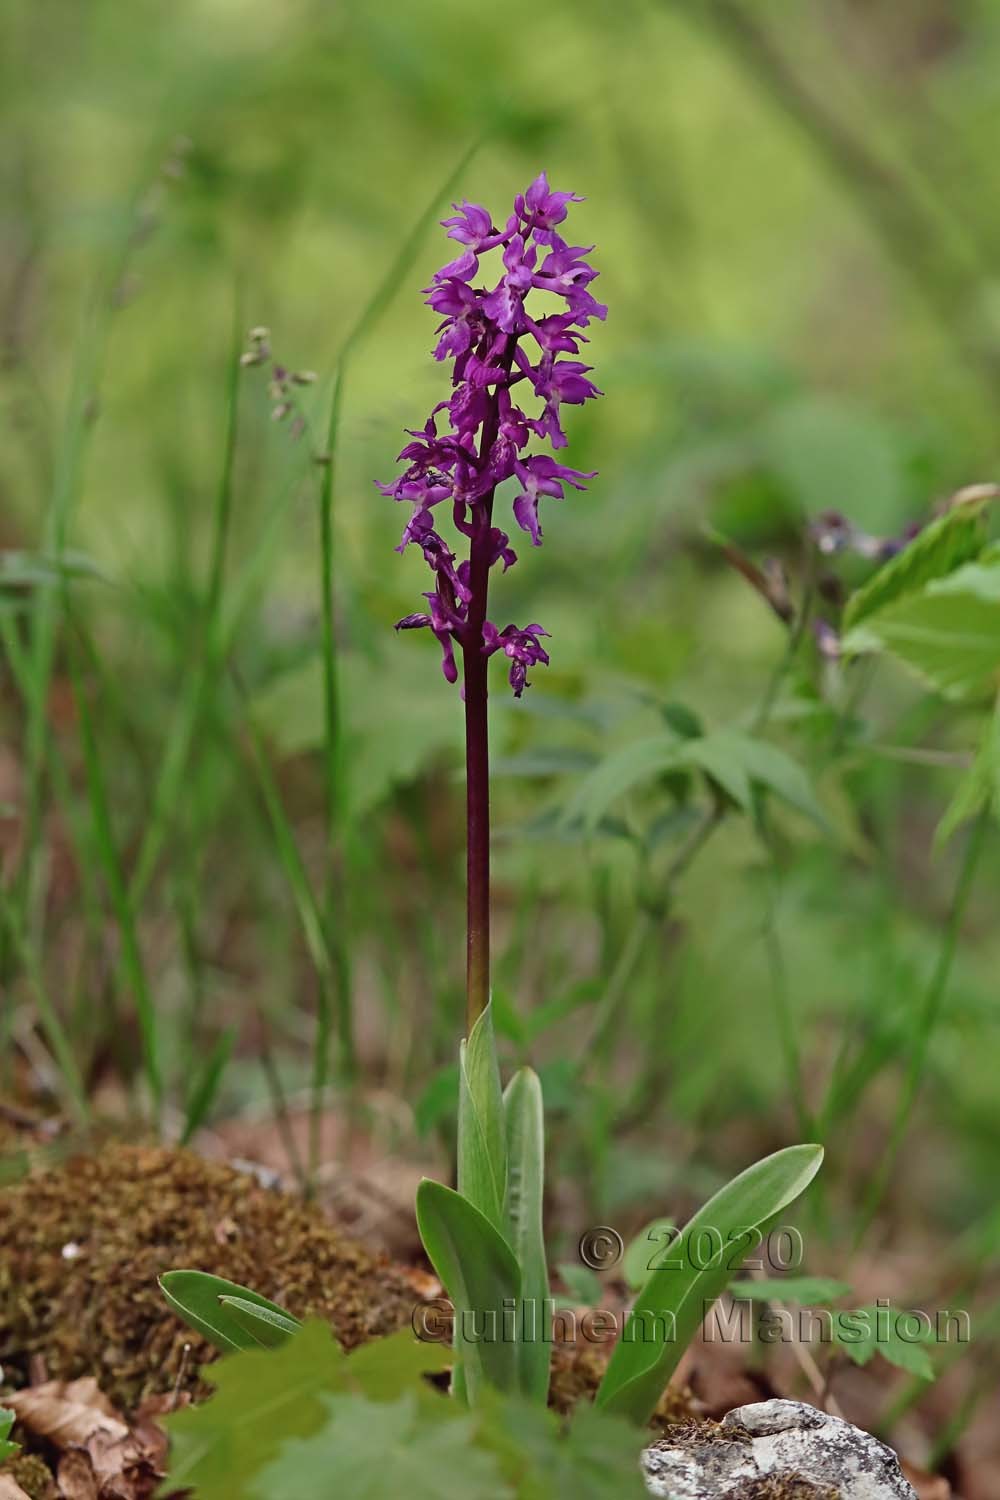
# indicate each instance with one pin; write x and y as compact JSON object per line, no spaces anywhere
{"x":774,"y":1450}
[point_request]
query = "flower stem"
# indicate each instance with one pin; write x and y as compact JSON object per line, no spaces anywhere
{"x":477,"y":737}
{"x":477,"y":763}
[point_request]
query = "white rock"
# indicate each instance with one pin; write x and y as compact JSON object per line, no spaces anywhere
{"x":779,"y":1438}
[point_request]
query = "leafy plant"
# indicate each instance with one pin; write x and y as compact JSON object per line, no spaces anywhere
{"x":7,"y":1449}
{"x":485,"y":1240}
{"x":290,"y":1424}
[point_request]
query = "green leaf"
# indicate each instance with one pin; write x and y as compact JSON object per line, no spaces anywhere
{"x":200,"y":1299}
{"x":948,"y":633}
{"x":617,"y":774}
{"x":524,"y":1120}
{"x":642,"y":1253}
{"x":585,"y":1286}
{"x":979,"y":786}
{"x":267,"y":1329}
{"x":478,"y":1270}
{"x":736,"y":760}
{"x":873,"y":1330}
{"x":206,"y":1085}
{"x":697,"y":1269}
{"x":367,"y":1451}
{"x":482,"y":1144}
{"x":948,"y":542}
{"x":807,"y":1291}
{"x":7,"y":1449}
{"x":595,"y":1457}
{"x":264,"y":1397}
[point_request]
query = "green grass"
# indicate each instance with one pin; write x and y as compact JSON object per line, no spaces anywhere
{"x":231,"y":823}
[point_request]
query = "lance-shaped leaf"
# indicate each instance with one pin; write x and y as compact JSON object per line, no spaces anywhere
{"x":481,"y":1276}
{"x":482,"y":1150}
{"x":696,"y":1270}
{"x":231,"y":1317}
{"x":525,"y":1181}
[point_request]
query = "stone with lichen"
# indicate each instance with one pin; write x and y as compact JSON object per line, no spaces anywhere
{"x":774,"y":1450}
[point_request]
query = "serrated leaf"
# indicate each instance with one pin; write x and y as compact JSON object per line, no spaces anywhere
{"x":198,"y":1298}
{"x":737,"y":761}
{"x":370,"y":1452}
{"x":595,"y":1458}
{"x":872,"y":1330}
{"x":525,"y":1128}
{"x":701,"y":1263}
{"x":807,"y":1291}
{"x":948,"y":633}
{"x":482,"y":1145}
{"x":617,"y":774}
{"x":264,"y":1397}
{"x":942,"y":547}
{"x":979,"y":786}
{"x":477,"y":1269}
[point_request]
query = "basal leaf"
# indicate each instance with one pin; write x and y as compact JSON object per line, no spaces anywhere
{"x":479,"y":1273}
{"x":697,"y":1269}
{"x":948,"y":542}
{"x":268,"y":1329}
{"x":482,"y":1144}
{"x":525,"y":1183}
{"x":201,"y":1300}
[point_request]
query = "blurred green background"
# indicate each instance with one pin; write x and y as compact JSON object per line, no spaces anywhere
{"x":798,"y":233}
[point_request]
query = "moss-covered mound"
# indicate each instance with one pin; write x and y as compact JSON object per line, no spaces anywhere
{"x":81,"y":1247}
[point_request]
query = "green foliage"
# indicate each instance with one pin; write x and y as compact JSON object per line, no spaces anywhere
{"x":584,"y":1284}
{"x":525,"y":1128}
{"x":947,"y":632}
{"x":733,"y":761}
{"x":873,"y":1330}
{"x":7,"y":1449}
{"x":942,"y":547}
{"x":479,"y":1271}
{"x":482,"y":1145}
{"x":263,"y":1398}
{"x":306,"y":1422}
{"x":696,"y":1269}
{"x":231,"y":1317}
{"x":807,"y":1291}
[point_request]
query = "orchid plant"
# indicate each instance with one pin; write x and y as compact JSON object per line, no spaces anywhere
{"x":514,"y":367}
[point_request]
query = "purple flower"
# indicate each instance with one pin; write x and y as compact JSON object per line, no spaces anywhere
{"x":543,"y":209}
{"x":522,"y":647}
{"x":481,"y":333}
{"x":541,"y":475}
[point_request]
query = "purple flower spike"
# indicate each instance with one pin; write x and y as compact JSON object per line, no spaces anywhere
{"x":502,"y":350}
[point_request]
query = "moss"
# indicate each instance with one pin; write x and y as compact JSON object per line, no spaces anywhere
{"x":81,"y":1248}
{"x":782,"y":1487}
{"x":577,"y":1371}
{"x":32,"y":1475}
